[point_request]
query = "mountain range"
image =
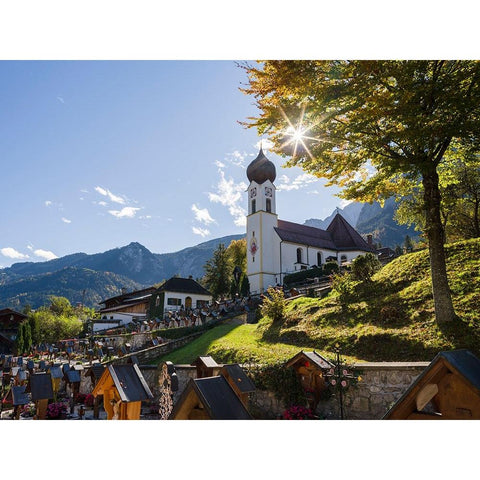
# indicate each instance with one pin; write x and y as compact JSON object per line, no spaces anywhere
{"x":91,"y":278}
{"x":373,"y":219}
{"x":101,"y":275}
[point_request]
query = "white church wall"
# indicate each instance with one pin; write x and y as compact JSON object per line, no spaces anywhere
{"x":309,"y":256}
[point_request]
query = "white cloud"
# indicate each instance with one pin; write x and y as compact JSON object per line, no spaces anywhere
{"x":84,"y":190}
{"x":12,"y":253}
{"x":46,"y":254}
{"x":344,"y":203}
{"x":231,"y":194}
{"x":107,"y":193}
{"x":103,"y":204}
{"x":126,"y":212}
{"x":265,"y":143}
{"x":48,"y":203}
{"x":60,"y":99}
{"x":145,"y":217}
{"x":219,"y":164}
{"x":203,"y":232}
{"x":300,"y":181}
{"x":66,"y":220}
{"x":202,"y":215}
{"x":237,"y":158}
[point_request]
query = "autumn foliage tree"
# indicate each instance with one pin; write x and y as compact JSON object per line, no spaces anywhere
{"x":373,"y":127}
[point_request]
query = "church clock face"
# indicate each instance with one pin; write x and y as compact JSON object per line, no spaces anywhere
{"x":268,"y":191}
{"x":253,"y":192}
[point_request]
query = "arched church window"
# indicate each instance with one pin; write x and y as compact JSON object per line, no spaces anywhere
{"x":254,"y":206}
{"x":299,"y":255}
{"x":319,"y":259}
{"x":269,"y":205}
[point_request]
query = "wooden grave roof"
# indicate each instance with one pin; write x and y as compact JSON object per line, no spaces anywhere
{"x":128,"y":381}
{"x":313,"y":357}
{"x":451,"y":383}
{"x":73,"y":376}
{"x":20,"y":397}
{"x":205,"y":361}
{"x":238,"y":376}
{"x":217,"y":397}
{"x":55,"y":371}
{"x":41,"y":386}
{"x":95,"y":371}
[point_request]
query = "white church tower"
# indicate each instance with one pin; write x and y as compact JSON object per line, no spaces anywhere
{"x":262,"y":256}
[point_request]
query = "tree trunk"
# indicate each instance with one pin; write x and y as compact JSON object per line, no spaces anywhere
{"x":433,"y":225}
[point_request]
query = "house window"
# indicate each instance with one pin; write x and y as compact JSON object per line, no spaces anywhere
{"x":343,"y":258}
{"x":269,"y":205}
{"x":202,"y":303}
{"x":319,"y":259}
{"x":299,"y":255}
{"x":254,"y":206}
{"x":157,"y":301}
{"x":174,"y":301}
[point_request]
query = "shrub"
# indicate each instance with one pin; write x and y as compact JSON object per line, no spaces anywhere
{"x":273,"y":305}
{"x":364,"y":266}
{"x":344,"y":286}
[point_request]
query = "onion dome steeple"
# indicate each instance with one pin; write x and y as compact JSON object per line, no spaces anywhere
{"x":261,"y":169}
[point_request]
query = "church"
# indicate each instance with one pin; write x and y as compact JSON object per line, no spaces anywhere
{"x":276,"y":247}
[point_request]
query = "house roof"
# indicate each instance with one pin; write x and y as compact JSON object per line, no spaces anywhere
{"x":183,"y":285}
{"x":41,"y":386}
{"x":9,"y":311}
{"x":239,"y":377}
{"x":462,"y":362}
{"x":129,"y":382}
{"x":218,"y":398}
{"x":345,"y":236}
{"x":314,"y":357}
{"x":130,"y":296}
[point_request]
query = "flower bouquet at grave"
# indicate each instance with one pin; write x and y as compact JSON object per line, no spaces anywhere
{"x":80,"y":398}
{"x":89,"y":400}
{"x":28,"y":410}
{"x":297,"y":412}
{"x":55,"y":411}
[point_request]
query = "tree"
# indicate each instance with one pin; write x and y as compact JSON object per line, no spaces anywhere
{"x":218,"y":272}
{"x":60,"y":305}
{"x":237,"y":252}
{"x":245,"y":286}
{"x":459,"y":183}
{"x":371,"y":127}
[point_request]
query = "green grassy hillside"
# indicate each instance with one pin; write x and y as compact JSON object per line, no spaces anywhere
{"x":390,"y":320}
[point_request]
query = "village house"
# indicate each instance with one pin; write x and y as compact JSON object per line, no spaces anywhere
{"x":276,"y":247}
{"x":10,"y":320}
{"x":176,"y":294}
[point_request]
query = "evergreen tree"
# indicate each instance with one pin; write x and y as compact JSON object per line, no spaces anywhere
{"x":19,"y":340}
{"x":408,"y":244}
{"x":245,"y":286}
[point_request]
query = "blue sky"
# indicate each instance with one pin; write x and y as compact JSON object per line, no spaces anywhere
{"x":97,"y":154}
